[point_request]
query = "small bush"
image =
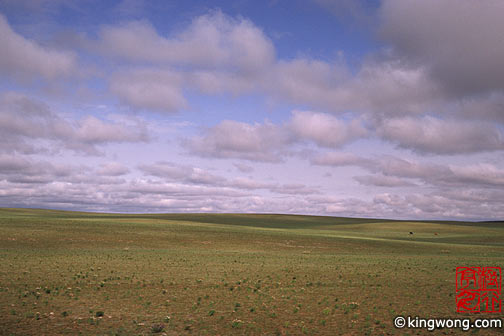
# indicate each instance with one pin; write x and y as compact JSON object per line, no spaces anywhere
{"x":236,"y":324}
{"x":157,"y":328}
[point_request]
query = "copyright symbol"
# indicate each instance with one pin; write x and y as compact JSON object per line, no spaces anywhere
{"x":399,"y":322}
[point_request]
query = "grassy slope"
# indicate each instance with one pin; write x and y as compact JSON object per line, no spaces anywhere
{"x":230,"y":273}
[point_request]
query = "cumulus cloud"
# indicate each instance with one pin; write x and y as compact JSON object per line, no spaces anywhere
{"x":442,"y":205}
{"x":156,"y":196}
{"x":214,"y":54}
{"x":149,"y":89}
{"x":22,"y":58}
{"x":383,"y":181}
{"x":21,"y":170}
{"x":460,"y":41}
{"x":127,"y":196}
{"x":218,"y":54}
{"x":233,"y":139}
{"x":145,"y":196}
{"x":181,"y":173}
{"x":25,"y":182}
{"x":212,"y":40}
{"x":433,"y":135}
{"x":94,"y":131}
{"x":393,"y":166}
{"x":304,"y":80}
{"x":387,"y":87}
{"x":481,"y":173}
{"x":390,"y":171}
{"x":437,"y":88}
{"x":477,"y":175}
{"x":289,"y":189}
{"x":482,"y":108}
{"x":162,"y":89}
{"x":468,"y":204}
{"x":325,"y":130}
{"x":218,"y":81}
{"x":112,"y":169}
{"x":25,"y":122}
{"x":382,"y":86}
{"x":196,"y":176}
{"x":294,"y":189}
{"x":268,"y":142}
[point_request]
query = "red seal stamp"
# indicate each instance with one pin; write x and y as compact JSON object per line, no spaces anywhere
{"x":478,"y":289}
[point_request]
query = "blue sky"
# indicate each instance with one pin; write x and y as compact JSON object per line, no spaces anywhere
{"x":388,"y":108}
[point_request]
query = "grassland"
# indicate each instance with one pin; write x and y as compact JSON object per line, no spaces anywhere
{"x":225,"y":274}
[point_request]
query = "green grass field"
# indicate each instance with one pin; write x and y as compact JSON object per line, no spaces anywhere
{"x":225,"y":274}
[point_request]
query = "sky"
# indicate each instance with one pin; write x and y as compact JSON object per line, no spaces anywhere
{"x":383,"y":109}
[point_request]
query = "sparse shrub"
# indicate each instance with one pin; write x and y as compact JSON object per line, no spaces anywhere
{"x":157,"y":328}
{"x":236,"y":323}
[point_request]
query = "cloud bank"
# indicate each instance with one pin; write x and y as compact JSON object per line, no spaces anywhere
{"x":218,"y":112}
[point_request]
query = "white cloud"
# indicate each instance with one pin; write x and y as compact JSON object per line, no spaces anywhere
{"x":22,"y":58}
{"x":112,"y":169}
{"x":392,"y":171}
{"x":306,"y":81}
{"x":196,"y":176}
{"x":481,"y":173}
{"x":482,"y":108}
{"x":432,"y":135}
{"x":269,"y":142}
{"x":324,"y":129}
{"x":213,"y":40}
{"x":25,"y":123}
{"x":25,"y":182}
{"x":218,"y":54}
{"x":380,"y":87}
{"x":460,"y":40}
{"x":383,"y":181}
{"x":437,"y":88}
{"x":95,"y":131}
{"x":217,"y":82}
{"x":149,"y":89}
{"x":181,"y":173}
{"x":233,"y":139}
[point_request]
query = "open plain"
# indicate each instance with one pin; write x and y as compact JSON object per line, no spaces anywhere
{"x":221,"y":274}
